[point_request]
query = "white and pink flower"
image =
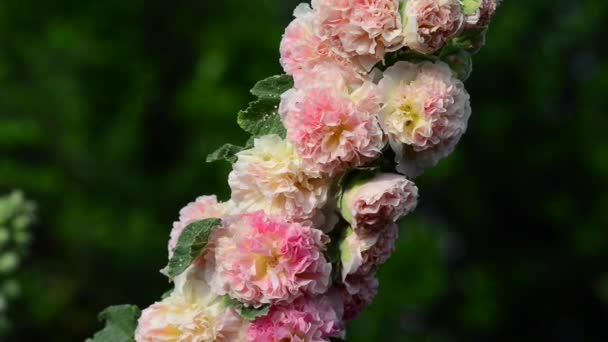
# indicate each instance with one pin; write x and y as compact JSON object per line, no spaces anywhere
{"x":365,"y":29}
{"x":203,"y":207}
{"x":307,"y":319}
{"x":191,"y":313}
{"x":360,"y":293}
{"x":332,"y":127}
{"x":483,"y":15}
{"x":426,"y":110}
{"x":272,"y":177}
{"x":370,"y":204}
{"x":363,"y":253}
{"x":258,"y":260}
{"x":286,"y":193}
{"x":303,"y":48}
{"x":429,"y":24}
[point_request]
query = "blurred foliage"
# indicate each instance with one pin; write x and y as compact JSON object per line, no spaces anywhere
{"x":107,"y":110}
{"x":16,"y":215}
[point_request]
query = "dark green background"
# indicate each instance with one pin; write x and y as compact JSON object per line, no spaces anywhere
{"x":108,"y":109}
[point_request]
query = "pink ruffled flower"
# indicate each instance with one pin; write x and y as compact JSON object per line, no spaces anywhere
{"x":190,"y":313}
{"x":366,"y":29}
{"x":483,"y":15}
{"x":305,"y":320}
{"x":426,"y":109}
{"x":371,"y":204}
{"x":203,"y":207}
{"x":363,"y":253}
{"x":359,"y":294}
{"x":258,"y":260}
{"x":331,"y":127}
{"x":303,"y":48}
{"x":271,"y":177}
{"x":429,"y":24}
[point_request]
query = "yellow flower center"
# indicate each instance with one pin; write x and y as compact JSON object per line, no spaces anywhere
{"x":265,"y":263}
{"x":408,"y":118}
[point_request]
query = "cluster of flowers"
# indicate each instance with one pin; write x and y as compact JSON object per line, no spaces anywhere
{"x":16,"y":215}
{"x":313,"y":214}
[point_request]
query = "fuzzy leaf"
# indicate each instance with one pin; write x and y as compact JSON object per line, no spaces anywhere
{"x":262,"y":118}
{"x":272,"y":87}
{"x":121,"y":321}
{"x":190,"y":244}
{"x":412,"y":56}
{"x":248,"y":313}
{"x":226,"y":152}
{"x":251,"y":313}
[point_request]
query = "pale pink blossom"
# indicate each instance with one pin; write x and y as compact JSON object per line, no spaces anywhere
{"x":190,"y":313}
{"x":303,"y":48}
{"x":483,"y":15}
{"x":363,"y":253}
{"x":272,"y":177}
{"x":413,"y":163}
{"x":360,"y":293}
{"x":332,"y":127}
{"x":429,"y":24}
{"x":305,"y":320}
{"x":366,"y":29}
{"x":258,"y":259}
{"x":203,"y":207}
{"x":426,"y":110}
{"x":370,"y":204}
{"x":323,"y":74}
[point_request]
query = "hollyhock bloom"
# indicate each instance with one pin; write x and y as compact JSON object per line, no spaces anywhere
{"x":258,"y":259}
{"x":366,"y":29}
{"x":359,"y":294}
{"x":190,"y":313}
{"x":483,"y":15}
{"x":429,"y":24}
{"x":271,"y":177}
{"x":203,"y":207}
{"x":339,"y":77}
{"x":302,"y":48}
{"x":331,"y":127}
{"x":371,"y":204}
{"x":363,"y":253}
{"x":426,"y":109}
{"x":413,"y":163}
{"x":306,"y":319}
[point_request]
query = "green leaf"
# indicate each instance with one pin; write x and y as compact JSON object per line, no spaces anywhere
{"x":251,"y":313}
{"x":404,"y":55}
{"x":121,"y":321}
{"x":471,"y":41}
{"x":248,"y":313}
{"x":272,"y":87}
{"x":262,"y":116}
{"x":461,"y":62}
{"x":227,"y":152}
{"x":190,"y":244}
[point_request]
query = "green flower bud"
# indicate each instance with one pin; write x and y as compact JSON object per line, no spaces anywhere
{"x":470,"y":6}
